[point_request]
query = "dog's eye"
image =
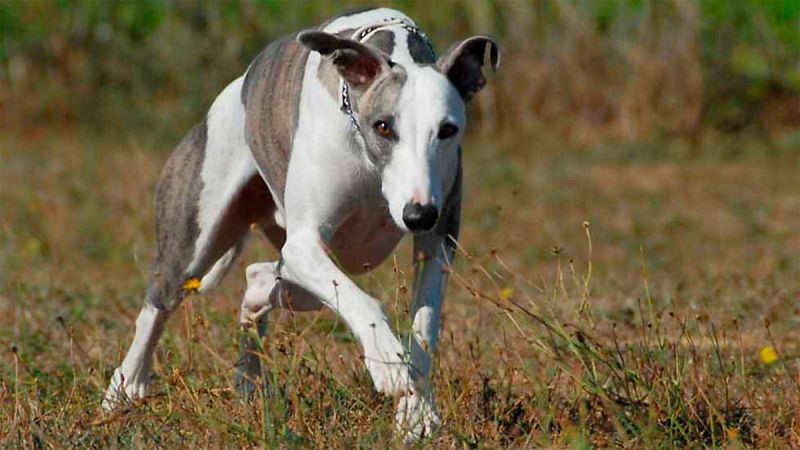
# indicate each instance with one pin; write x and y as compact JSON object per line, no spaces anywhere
{"x":447,"y":131}
{"x":383,"y":129}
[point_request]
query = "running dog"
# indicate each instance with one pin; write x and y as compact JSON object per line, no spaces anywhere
{"x":335,"y":143}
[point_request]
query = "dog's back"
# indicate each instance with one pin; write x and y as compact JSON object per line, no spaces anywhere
{"x":271,"y":97}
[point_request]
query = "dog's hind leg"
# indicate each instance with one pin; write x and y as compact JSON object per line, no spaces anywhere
{"x":247,"y":373}
{"x":256,"y":305}
{"x":177,"y":197}
{"x":265,"y":291}
{"x":209,"y":194}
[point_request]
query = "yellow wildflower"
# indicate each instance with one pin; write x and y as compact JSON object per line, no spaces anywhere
{"x":733,"y":433}
{"x":33,"y":246}
{"x":506,"y":293}
{"x":191,"y":284}
{"x":768,"y":354}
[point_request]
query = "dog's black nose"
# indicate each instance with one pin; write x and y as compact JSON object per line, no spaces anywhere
{"x":420,"y":217}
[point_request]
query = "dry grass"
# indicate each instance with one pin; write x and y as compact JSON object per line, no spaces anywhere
{"x":645,"y":336}
{"x":642,"y":330}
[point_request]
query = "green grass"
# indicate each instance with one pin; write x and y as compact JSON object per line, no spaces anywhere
{"x":645,"y":336}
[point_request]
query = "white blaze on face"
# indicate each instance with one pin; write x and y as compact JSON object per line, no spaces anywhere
{"x":401,"y":53}
{"x":422,"y":166}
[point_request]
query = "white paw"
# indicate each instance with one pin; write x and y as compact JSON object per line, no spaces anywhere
{"x":416,"y":417}
{"x":256,"y":301}
{"x":121,"y":392}
{"x":254,"y":305}
{"x":389,"y":377}
{"x":387,"y":364}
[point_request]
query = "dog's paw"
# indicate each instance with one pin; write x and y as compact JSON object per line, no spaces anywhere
{"x":389,"y":375}
{"x":256,"y":301}
{"x":416,"y":417}
{"x":122,"y":392}
{"x":387,"y":364}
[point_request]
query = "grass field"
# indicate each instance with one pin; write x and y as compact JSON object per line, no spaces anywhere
{"x":629,"y":265}
{"x":616,"y":295}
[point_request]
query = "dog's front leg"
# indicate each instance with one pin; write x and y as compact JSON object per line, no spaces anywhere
{"x":306,"y":263}
{"x":433,"y":254}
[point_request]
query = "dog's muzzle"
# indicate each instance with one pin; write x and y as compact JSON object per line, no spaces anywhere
{"x":419,"y":217}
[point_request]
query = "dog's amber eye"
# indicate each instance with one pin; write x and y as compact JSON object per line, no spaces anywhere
{"x":447,"y":131}
{"x":384,"y":129}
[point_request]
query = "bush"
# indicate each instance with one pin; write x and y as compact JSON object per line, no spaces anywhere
{"x":591,"y":70}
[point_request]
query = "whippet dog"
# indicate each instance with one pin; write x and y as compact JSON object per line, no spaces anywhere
{"x":335,"y":142}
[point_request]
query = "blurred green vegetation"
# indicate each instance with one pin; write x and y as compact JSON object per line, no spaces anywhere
{"x":592,"y":71}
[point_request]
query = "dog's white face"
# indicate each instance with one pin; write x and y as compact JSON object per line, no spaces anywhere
{"x":412,"y":118}
{"x":425,"y":131}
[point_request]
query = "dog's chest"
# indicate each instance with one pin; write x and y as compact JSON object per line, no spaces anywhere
{"x":366,"y":236}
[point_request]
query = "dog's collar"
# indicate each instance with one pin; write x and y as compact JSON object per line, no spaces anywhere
{"x":363,"y":33}
{"x":347,"y":107}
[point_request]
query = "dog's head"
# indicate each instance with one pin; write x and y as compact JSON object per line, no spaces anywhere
{"x":411,"y":116}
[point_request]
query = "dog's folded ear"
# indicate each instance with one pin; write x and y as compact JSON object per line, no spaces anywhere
{"x":357,"y":63}
{"x":463,"y":61}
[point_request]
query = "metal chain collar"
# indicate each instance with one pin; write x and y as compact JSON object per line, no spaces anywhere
{"x":347,"y":107}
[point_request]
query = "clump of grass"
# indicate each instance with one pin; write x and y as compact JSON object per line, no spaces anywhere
{"x":679,"y":380}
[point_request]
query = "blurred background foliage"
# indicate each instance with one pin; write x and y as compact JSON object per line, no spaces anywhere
{"x":581,"y":72}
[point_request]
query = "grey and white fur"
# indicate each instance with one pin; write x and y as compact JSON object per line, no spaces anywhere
{"x":335,"y":143}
